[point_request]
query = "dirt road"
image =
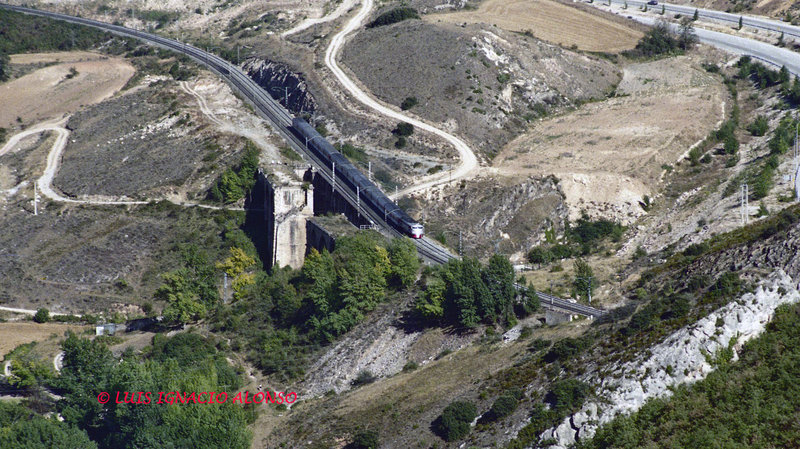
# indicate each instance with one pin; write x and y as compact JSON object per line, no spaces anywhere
{"x":468,"y":161}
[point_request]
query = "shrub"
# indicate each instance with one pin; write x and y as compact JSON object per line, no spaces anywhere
{"x":410,"y":366}
{"x":364,"y":377}
{"x":42,"y":316}
{"x":403,"y":129}
{"x":394,"y":16}
{"x":566,"y":348}
{"x":365,"y":440}
{"x":759,"y":127}
{"x":567,"y":395}
{"x":540,"y":255}
{"x":454,"y":422}
{"x":409,"y":103}
{"x":502,"y":407}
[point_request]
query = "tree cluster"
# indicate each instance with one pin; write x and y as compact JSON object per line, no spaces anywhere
{"x":186,"y":362}
{"x":394,"y":16}
{"x":662,"y":40}
{"x":234,"y":183}
{"x":464,"y":293}
{"x":579,"y":240}
{"x":454,"y":422}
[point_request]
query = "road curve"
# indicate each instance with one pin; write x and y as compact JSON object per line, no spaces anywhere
{"x":775,"y":56}
{"x":469,"y":161}
{"x":749,"y":21}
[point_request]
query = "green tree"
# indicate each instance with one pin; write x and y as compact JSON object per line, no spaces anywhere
{"x":499,"y":279}
{"x":42,"y":316}
{"x":404,"y":261}
{"x":696,"y":15}
{"x":20,"y":428}
{"x":430,"y":303}
{"x":740,"y":22}
{"x":584,"y":282}
{"x":4,"y":61}
{"x":454,"y":422}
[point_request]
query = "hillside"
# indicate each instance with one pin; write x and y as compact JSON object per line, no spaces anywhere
{"x":610,"y":173}
{"x":483,"y":83}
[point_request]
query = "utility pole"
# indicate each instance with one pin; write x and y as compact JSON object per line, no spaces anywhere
{"x":395,"y":194}
{"x":334,"y":177}
{"x":225,"y":288}
{"x":744,"y":204}
{"x":796,"y":151}
{"x":369,"y":171}
{"x":35,"y":200}
{"x":358,"y":199}
{"x":460,"y":244}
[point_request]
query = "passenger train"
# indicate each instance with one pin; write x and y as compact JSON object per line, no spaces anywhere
{"x":371,"y":196}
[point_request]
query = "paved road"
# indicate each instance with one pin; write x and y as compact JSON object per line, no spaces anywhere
{"x":766,"y":53}
{"x":468,"y":161}
{"x":719,"y":16}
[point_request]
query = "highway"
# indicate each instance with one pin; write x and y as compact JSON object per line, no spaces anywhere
{"x":281,"y":119}
{"x":762,"y":51}
{"x":719,"y":16}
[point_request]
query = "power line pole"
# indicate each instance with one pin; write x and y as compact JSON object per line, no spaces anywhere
{"x":369,"y":171}
{"x":460,"y":244}
{"x":358,"y":199}
{"x":744,"y":204}
{"x":334,"y":177}
{"x":35,"y":200}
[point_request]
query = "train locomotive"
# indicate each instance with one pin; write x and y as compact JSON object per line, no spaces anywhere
{"x":371,"y":196}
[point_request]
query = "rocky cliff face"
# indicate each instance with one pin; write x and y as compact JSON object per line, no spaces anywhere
{"x":281,"y":83}
{"x":684,"y":356}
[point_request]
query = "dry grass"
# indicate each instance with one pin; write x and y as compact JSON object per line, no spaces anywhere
{"x":609,"y":154}
{"x":551,"y":21}
{"x":15,"y":334}
{"x":51,"y":92}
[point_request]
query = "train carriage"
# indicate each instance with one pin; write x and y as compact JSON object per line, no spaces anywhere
{"x":371,"y":196}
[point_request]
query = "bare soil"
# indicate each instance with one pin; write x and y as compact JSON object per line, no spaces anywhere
{"x":13,"y":334}
{"x":609,"y":155}
{"x":50,"y":92}
{"x":552,"y":21}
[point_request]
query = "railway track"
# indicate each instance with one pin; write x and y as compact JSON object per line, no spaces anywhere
{"x":268,"y":108}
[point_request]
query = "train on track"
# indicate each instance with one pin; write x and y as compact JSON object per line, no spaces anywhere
{"x":344,"y":171}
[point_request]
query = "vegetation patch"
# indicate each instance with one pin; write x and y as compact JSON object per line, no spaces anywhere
{"x":394,"y":16}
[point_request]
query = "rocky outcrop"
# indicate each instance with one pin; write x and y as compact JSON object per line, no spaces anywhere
{"x":685,"y":356}
{"x":281,"y":83}
{"x":505,"y":215}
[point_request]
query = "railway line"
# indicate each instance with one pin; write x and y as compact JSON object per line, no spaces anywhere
{"x":281,"y":119}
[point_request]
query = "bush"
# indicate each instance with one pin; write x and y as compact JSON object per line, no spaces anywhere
{"x":410,"y":366}
{"x":502,"y":407}
{"x":365,"y":440}
{"x":566,"y":396}
{"x":759,"y":127}
{"x":394,"y":16}
{"x":42,"y":316}
{"x":409,"y":103}
{"x":403,"y":129}
{"x":540,"y":255}
{"x":364,"y":377}
{"x":454,"y":422}
{"x":566,"y":349}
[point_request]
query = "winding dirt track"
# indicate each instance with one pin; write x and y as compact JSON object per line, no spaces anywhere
{"x":468,"y":161}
